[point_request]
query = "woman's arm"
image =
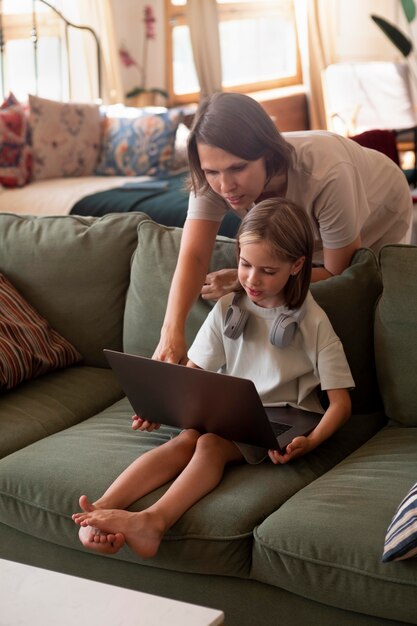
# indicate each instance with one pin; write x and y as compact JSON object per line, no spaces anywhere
{"x":197,"y":244}
{"x":336,"y":260}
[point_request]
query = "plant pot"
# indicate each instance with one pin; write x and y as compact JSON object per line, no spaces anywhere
{"x":146,"y":99}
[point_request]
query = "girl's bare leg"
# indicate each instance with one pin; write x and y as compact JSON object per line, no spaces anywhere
{"x":153,"y":469}
{"x":144,"y":530}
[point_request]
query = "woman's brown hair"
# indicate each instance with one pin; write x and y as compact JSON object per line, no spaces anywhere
{"x":237,"y":124}
{"x":287,"y":229}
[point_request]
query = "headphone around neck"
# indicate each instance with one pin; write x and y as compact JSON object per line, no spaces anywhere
{"x":282,"y":330}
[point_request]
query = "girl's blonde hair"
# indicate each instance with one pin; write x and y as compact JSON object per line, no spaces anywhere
{"x":286,"y":227}
{"x":239,"y":125}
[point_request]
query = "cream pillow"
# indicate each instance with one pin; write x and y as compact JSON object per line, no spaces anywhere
{"x":65,"y":138}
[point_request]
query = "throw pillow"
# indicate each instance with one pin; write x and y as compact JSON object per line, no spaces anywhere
{"x":401,"y":538}
{"x":15,"y":151}
{"x":135,"y":146}
{"x":151,"y":272}
{"x":65,"y":138}
{"x":29,"y":347}
{"x":349,"y":300}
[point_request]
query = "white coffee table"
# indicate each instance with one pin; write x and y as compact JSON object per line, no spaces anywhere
{"x":37,"y":597}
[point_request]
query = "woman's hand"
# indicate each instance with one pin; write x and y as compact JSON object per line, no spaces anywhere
{"x":171,"y":348}
{"x":297,"y":447}
{"x":217,"y":284}
{"x":139,"y":424}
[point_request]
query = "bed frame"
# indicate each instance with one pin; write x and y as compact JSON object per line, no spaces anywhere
{"x":68,"y":25}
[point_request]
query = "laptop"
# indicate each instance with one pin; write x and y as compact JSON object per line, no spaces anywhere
{"x":187,"y":397}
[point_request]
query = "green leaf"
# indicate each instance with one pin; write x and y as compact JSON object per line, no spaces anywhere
{"x":409,"y":9}
{"x":396,"y":37}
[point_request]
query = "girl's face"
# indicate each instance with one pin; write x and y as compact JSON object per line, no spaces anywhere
{"x":263,"y":276}
{"x":238,"y":181}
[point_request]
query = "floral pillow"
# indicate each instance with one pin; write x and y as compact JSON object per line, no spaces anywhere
{"x":140,"y":145}
{"x":65,"y":138}
{"x":29,"y":347}
{"x":15,"y":151}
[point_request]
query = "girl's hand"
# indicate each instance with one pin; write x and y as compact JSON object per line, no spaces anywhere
{"x":139,"y":424}
{"x":297,"y":447}
{"x":219,"y":283}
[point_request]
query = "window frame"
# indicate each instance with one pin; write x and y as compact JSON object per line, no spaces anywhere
{"x":176,"y":16}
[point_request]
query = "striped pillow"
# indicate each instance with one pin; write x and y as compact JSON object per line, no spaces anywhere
{"x":29,"y":347}
{"x":401,"y":538}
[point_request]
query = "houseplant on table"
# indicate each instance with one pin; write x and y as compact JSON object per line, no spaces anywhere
{"x":142,"y":95}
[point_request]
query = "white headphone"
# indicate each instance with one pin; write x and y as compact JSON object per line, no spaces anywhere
{"x":282,"y":330}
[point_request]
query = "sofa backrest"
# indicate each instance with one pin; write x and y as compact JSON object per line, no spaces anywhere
{"x":75,"y":272}
{"x":396,"y":333}
{"x":349,"y":301}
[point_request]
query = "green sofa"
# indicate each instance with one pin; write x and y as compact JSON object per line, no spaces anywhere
{"x":300,"y":543}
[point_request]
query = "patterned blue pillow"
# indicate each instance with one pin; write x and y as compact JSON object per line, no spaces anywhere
{"x":139,"y":145}
{"x":401,"y":538}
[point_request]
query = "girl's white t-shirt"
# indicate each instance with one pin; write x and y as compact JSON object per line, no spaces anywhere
{"x":287,"y":375}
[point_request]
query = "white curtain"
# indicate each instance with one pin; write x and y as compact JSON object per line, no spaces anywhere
{"x":315,"y":29}
{"x":98,"y":14}
{"x":205,"y":41}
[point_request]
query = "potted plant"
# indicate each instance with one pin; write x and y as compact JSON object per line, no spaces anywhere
{"x":142,"y":95}
{"x":394,"y":34}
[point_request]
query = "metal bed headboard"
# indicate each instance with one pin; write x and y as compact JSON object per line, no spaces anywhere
{"x":34,"y":37}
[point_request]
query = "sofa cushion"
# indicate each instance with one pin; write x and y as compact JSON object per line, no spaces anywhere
{"x":214,"y":536}
{"x":15,"y":151}
{"x":65,"y":138}
{"x":29,"y":347}
{"x":326,"y":542}
{"x":152,"y":269}
{"x":144,"y":144}
{"x":41,"y":407}
{"x":396,"y":333}
{"x":75,"y":272}
{"x":349,"y":300}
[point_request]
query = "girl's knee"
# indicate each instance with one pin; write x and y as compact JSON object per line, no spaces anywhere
{"x":188,"y":437}
{"x":210,"y":442}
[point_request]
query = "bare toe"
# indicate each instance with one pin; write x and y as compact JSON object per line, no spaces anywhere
{"x":92,"y":539}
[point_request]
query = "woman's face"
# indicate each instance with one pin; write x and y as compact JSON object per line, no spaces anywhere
{"x":238,"y":181}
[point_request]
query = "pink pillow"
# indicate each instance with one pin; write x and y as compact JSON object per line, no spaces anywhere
{"x":15,"y":151}
{"x":29,"y":347}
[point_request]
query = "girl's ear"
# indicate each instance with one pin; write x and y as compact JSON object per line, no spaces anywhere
{"x":297,"y":266}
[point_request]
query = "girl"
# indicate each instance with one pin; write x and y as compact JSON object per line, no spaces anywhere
{"x":275,"y":246}
{"x":353,"y":196}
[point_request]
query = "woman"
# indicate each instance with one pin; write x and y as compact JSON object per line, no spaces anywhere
{"x":354,"y":197}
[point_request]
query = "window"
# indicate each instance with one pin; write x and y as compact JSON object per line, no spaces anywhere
{"x":258,"y":42}
{"x":19,"y":64}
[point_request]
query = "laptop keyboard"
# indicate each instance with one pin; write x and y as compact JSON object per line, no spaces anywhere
{"x":279,"y":428}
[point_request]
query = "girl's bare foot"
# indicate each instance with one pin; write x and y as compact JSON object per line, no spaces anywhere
{"x":105,"y":543}
{"x":143,"y":531}
{"x":93,"y":538}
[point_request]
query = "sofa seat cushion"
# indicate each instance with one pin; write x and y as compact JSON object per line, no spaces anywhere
{"x":214,"y":536}
{"x":49,"y":404}
{"x":326,"y":543}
